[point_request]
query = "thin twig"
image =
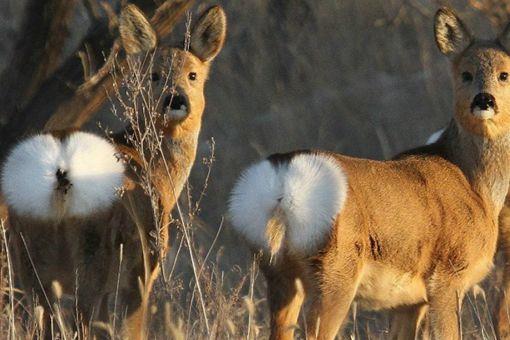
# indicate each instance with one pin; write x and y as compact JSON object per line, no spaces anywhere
{"x":117,"y":288}
{"x":12,"y":328}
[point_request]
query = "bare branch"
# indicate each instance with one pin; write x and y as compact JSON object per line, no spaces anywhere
{"x":62,"y":97}
{"x":91,"y":95}
{"x":37,"y":54}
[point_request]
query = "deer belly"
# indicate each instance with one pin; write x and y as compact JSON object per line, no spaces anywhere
{"x":383,"y":286}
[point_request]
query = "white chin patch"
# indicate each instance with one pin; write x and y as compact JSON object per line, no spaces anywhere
{"x":178,"y":114}
{"x":484,"y":114}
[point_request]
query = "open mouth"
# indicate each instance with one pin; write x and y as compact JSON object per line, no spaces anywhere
{"x":176,"y":107}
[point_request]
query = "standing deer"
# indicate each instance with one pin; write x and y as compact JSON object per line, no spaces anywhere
{"x":407,"y":233}
{"x":502,"y":310}
{"x":68,"y":222}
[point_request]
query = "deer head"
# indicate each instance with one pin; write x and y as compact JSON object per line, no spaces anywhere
{"x":480,"y":72}
{"x":177,"y":73}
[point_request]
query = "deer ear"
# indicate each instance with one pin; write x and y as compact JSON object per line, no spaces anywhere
{"x":452,"y":37}
{"x":136,"y":33}
{"x":504,"y":38}
{"x":208,"y":35}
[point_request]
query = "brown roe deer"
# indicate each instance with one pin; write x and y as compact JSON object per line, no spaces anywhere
{"x":411,"y":232}
{"x":68,"y":222}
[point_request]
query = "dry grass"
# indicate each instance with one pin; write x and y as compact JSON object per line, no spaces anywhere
{"x":315,"y":91}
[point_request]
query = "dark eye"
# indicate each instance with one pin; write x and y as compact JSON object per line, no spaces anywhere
{"x":154,"y":76}
{"x":467,"y":77}
{"x":503,"y":76}
{"x":192,"y":76}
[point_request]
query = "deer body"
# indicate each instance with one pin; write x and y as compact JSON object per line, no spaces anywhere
{"x":408,"y":233}
{"x":383,"y":255}
{"x":77,"y":230}
{"x":406,"y":250}
{"x":501,"y":315}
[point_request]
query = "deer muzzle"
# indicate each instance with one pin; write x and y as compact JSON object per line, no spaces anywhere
{"x":484,"y":106}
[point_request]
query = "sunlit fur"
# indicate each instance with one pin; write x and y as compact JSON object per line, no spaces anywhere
{"x":29,"y":181}
{"x":310,"y":190}
{"x":485,"y":61}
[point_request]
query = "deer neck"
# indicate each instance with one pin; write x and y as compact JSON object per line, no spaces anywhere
{"x":484,"y":161}
{"x":179,"y":152}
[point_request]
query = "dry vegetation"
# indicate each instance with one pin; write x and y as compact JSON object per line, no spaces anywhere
{"x":361,"y":77}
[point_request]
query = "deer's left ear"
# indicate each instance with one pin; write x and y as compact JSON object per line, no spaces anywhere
{"x":208,"y":35}
{"x":452,"y":37}
{"x":136,"y":33}
{"x":504,"y":38}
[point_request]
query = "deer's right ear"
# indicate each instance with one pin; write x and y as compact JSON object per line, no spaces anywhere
{"x":452,"y":37}
{"x":136,"y":33}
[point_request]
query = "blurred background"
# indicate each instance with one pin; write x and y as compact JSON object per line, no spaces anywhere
{"x":359,"y":77}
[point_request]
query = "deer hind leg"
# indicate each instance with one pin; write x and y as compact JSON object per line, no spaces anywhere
{"x":133,"y":327}
{"x":285,"y":295}
{"x":333,"y":293}
{"x":409,"y":323}
{"x":147,"y":268}
{"x":138,"y":303}
{"x":503,"y":313}
{"x":444,"y":312}
{"x":502,"y":316}
{"x":136,"y":298}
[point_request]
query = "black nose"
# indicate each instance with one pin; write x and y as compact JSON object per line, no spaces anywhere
{"x":483,"y":101}
{"x":175,"y":101}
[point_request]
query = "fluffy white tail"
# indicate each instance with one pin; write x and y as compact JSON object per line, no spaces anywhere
{"x":46,"y":177}
{"x":295,"y":200}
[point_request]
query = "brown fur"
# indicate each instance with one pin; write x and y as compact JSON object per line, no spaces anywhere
{"x":417,"y":232}
{"x":83,"y":254}
{"x":491,"y":59}
{"x":502,"y":315}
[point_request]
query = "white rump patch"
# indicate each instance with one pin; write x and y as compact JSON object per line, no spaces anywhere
{"x":29,"y":178}
{"x":311,"y":190}
{"x":435,"y":137}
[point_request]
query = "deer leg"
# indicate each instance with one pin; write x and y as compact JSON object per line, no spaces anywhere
{"x":502,"y":316}
{"x":133,"y":327}
{"x":503,"y":313}
{"x":406,"y":322}
{"x":285,"y":296}
{"x":332,"y":297}
{"x":444,"y":312}
{"x":136,"y":324}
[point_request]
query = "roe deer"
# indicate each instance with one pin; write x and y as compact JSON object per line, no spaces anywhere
{"x":501,"y":313}
{"x":411,"y":232}
{"x":68,"y":223}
